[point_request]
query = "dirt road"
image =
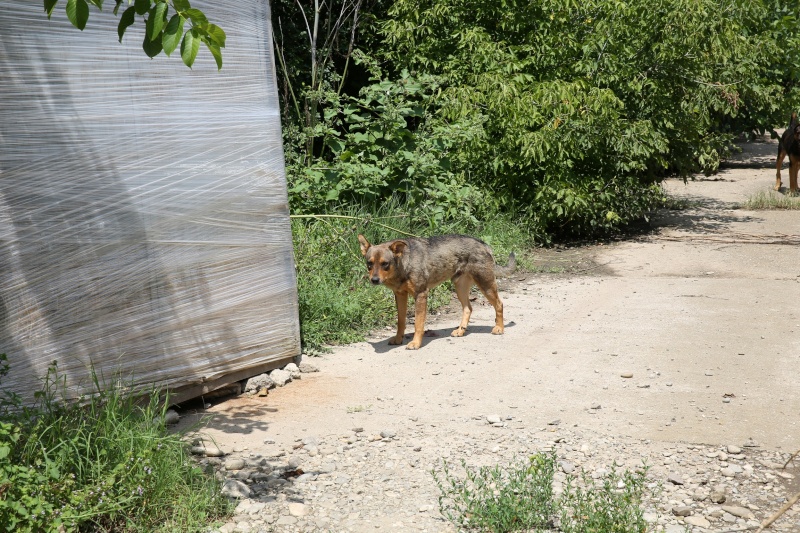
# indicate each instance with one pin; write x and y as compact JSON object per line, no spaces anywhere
{"x":703,"y":313}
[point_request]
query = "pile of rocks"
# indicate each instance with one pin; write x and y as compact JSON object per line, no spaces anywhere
{"x":279,"y":377}
{"x":365,"y":481}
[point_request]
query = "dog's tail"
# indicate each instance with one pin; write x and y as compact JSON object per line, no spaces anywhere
{"x":503,"y":271}
{"x":793,"y":119}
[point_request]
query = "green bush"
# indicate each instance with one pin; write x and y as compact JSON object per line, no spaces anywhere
{"x":104,"y":463}
{"x":583,"y":106}
{"x":383,"y":143}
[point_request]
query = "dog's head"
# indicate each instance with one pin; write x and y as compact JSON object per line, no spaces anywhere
{"x":381,"y":258}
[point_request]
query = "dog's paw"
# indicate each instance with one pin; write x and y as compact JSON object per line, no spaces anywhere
{"x":458,"y":332}
{"x":497,"y":330}
{"x":394,"y":341}
{"x":413,"y":345}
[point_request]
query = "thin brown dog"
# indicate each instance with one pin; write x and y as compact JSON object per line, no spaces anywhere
{"x":412,"y":267}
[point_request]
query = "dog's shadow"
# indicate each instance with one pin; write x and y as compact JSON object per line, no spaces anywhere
{"x":431,"y":335}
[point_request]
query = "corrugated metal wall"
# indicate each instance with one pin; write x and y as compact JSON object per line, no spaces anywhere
{"x":144,"y":222}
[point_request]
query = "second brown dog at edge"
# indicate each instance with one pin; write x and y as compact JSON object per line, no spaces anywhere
{"x":412,"y":267}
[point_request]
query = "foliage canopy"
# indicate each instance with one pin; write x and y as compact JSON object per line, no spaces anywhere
{"x":569,"y":113}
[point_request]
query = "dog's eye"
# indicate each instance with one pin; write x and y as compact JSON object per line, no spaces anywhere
{"x":369,"y":265}
{"x":385,"y":265}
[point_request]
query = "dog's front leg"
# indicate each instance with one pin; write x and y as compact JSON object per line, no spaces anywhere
{"x":781,"y":156}
{"x":420,"y":314}
{"x":401,"y":300}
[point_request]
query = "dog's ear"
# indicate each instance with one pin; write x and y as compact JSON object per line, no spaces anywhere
{"x":365,"y":245}
{"x":397,"y":247}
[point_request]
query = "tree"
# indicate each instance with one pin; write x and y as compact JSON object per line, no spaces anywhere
{"x":163,"y":33}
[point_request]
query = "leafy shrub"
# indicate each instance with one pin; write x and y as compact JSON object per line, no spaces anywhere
{"x":380,"y":144}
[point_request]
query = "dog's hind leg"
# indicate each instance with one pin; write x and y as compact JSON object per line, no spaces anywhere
{"x":401,"y":300}
{"x":781,"y":156}
{"x":462,"y":285}
{"x":489,"y":289}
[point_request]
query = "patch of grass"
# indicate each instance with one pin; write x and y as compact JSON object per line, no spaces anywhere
{"x":764,"y":200}
{"x":106,"y":463}
{"x":520,"y":497}
{"x":499,"y":499}
{"x":337,"y":303}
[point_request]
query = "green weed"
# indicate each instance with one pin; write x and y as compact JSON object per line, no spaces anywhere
{"x":104,"y":463}
{"x":520,"y":497}
{"x":612,"y":504}
{"x":499,"y":499}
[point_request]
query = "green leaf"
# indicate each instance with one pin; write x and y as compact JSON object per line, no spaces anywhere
{"x":49,"y":5}
{"x":197,"y":16}
{"x":78,"y":13}
{"x":189,"y":47}
{"x":333,"y":194}
{"x":127,"y":18}
{"x":116,"y":7}
{"x":335,"y":144}
{"x":214,"y":49}
{"x":152,"y":48}
{"x":141,"y":6}
{"x":159,"y":16}
{"x":216,"y":34}
{"x":181,"y":5}
{"x":97,"y":3}
{"x":155,"y":20}
{"x":173,"y":33}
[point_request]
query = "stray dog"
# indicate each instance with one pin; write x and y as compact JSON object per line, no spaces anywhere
{"x":415,"y":266}
{"x":789,"y":145}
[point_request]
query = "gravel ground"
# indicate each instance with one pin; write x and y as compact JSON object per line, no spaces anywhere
{"x":677,"y":349}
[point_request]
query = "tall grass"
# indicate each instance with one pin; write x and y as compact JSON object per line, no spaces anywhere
{"x":336,"y":302}
{"x":106,"y":463}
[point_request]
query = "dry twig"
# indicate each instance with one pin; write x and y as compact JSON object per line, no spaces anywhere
{"x":785,"y":507}
{"x":790,"y":459}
